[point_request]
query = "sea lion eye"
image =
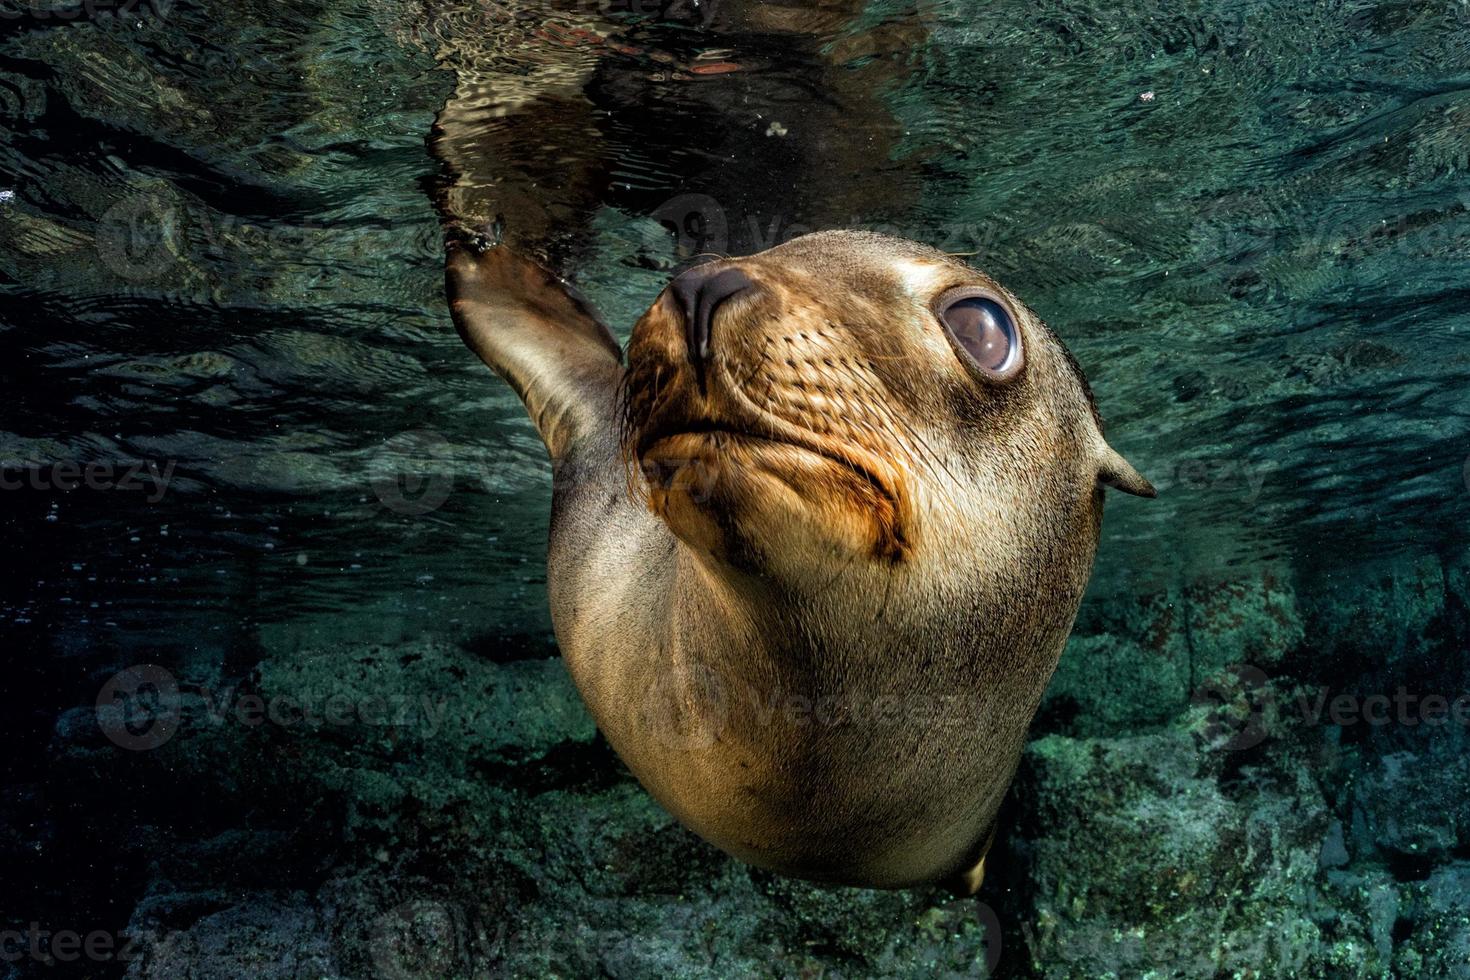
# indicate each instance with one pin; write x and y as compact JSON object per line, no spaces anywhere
{"x":984,"y":328}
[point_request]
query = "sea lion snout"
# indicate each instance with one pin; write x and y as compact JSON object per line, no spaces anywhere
{"x":750,"y":414}
{"x":698,"y":294}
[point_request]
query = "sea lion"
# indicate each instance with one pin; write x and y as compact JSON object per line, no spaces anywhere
{"x":816,"y":548}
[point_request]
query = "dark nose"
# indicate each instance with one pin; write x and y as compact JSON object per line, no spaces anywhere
{"x":699,"y":292}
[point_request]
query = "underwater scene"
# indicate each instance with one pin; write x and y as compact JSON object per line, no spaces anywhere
{"x":282,"y":693}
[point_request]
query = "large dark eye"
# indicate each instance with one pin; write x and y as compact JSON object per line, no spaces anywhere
{"x":985,"y":329}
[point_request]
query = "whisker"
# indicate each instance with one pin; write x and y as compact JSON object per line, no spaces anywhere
{"x":926,"y":451}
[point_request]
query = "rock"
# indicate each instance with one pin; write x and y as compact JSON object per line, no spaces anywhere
{"x":1334,"y":847}
{"x":1107,"y":683}
{"x":1412,"y":808}
{"x":1253,"y":620}
{"x":433,"y":697}
{"x":1377,"y":615}
{"x":1457,"y":593}
{"x":264,"y":938}
{"x":1359,"y":918}
{"x":1435,"y":932}
{"x":571,"y":884}
{"x":1143,"y":858}
{"x":1141,"y":660}
{"x":1127,"y":663}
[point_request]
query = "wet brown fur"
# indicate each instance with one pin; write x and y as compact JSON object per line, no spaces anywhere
{"x":846,"y":516}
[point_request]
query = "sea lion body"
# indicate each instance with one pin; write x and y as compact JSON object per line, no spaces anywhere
{"x":810,"y":567}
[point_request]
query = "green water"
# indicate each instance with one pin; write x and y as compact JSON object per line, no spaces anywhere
{"x":220,"y":254}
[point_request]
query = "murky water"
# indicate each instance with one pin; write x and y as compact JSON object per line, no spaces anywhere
{"x":237,"y":416}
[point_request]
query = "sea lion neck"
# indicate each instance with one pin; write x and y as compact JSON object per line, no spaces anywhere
{"x":792,"y":620}
{"x":710,"y":587}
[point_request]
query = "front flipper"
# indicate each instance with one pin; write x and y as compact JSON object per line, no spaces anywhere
{"x":532,"y":331}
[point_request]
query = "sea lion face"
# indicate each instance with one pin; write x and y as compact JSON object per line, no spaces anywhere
{"x":852,"y":398}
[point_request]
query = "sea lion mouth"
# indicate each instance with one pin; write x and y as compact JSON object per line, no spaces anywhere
{"x":694,"y":458}
{"x":717,"y":433}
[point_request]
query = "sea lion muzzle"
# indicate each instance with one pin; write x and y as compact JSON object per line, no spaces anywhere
{"x":742,"y":384}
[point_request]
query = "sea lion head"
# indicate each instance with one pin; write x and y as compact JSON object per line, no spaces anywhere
{"x":848,"y":399}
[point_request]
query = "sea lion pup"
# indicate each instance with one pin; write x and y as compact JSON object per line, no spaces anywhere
{"x":866,"y":490}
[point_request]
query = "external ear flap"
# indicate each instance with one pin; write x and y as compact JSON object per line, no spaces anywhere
{"x":1115,"y":471}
